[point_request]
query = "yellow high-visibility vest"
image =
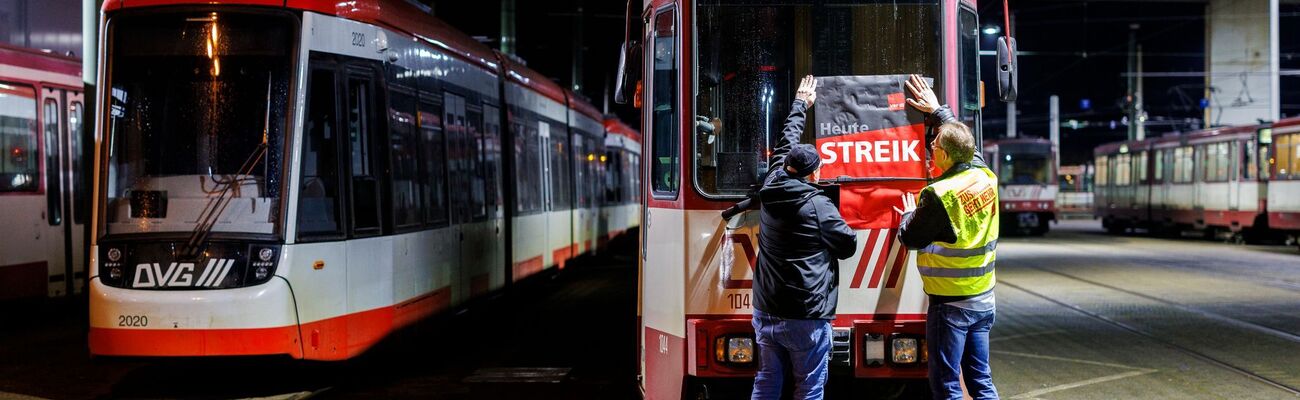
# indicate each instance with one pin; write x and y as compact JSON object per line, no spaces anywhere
{"x":964,"y":268}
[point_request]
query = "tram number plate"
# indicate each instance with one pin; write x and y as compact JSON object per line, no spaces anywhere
{"x":1028,"y":220}
{"x":133,"y":320}
{"x":738,"y":301}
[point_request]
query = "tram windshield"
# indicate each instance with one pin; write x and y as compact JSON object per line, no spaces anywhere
{"x":751,"y":56}
{"x":197,"y":119}
{"x":1024,"y":164}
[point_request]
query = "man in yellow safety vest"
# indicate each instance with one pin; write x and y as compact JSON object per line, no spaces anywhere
{"x":954,"y":228}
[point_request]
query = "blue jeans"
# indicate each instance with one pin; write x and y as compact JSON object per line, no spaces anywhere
{"x":799,"y":346}
{"x":958,"y":341}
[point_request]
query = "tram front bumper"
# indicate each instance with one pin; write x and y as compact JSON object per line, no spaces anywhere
{"x":256,"y":320}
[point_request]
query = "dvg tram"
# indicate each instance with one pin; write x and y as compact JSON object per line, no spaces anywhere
{"x":1027,"y":183}
{"x":715,"y":80}
{"x":303,"y":177}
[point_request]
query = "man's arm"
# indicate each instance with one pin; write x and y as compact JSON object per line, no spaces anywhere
{"x":789,"y":136}
{"x":836,"y":234}
{"x":927,"y":224}
{"x":803,"y":97}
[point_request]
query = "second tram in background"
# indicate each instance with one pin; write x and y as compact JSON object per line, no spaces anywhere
{"x":43,"y":179}
{"x":1235,"y":182}
{"x":1027,"y":185}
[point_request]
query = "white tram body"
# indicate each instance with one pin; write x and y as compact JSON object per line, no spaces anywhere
{"x":1283,"y":199}
{"x":1214,"y":180}
{"x":1027,"y":182}
{"x":43,"y":187}
{"x":716,"y":83}
{"x":334,"y":172}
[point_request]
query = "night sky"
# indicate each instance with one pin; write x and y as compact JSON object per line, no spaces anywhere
{"x":1079,"y":51}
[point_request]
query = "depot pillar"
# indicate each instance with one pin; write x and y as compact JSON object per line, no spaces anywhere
{"x":1242,"y":62}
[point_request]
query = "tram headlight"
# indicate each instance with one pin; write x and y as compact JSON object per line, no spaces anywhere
{"x":115,"y":273}
{"x":114,"y":254}
{"x":262,"y":261}
{"x":873,"y":349}
{"x":734,"y":349}
{"x":907,"y":350}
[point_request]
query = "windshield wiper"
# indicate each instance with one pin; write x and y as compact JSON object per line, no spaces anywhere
{"x":212,"y":212}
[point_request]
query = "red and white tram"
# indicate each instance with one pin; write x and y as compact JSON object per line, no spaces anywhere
{"x":1215,"y":180}
{"x":303,"y":177}
{"x":43,"y":188}
{"x":1026,"y":182}
{"x":1283,"y":199}
{"x":715,"y":86}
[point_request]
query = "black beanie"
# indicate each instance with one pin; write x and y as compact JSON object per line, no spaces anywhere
{"x":803,"y":159}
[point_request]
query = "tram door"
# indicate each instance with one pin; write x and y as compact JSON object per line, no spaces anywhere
{"x":61,"y":123}
{"x":1234,"y":175}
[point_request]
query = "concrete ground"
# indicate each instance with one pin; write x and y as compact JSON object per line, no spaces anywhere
{"x":1081,"y":315}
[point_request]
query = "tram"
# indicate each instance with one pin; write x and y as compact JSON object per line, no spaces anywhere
{"x":1233,"y":182}
{"x":714,"y":80}
{"x":1027,"y":183}
{"x":1283,"y":198}
{"x":43,"y":180}
{"x":302,"y":178}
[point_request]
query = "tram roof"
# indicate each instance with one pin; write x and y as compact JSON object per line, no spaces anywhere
{"x":398,"y":15}
{"x":39,"y":60}
{"x":1019,"y":140}
{"x":1194,"y":137}
{"x":618,"y":127}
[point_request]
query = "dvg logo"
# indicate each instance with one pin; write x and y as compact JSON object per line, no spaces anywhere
{"x":181,"y":274}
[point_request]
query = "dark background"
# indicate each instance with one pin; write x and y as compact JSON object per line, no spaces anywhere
{"x":1076,"y":50}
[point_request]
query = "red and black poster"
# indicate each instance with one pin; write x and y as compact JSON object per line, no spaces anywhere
{"x":872,"y":142}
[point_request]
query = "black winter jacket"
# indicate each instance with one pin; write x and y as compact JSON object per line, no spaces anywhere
{"x":801,"y":235}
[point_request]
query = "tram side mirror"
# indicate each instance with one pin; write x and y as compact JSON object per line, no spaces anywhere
{"x":1008,"y":83}
{"x":629,"y":72}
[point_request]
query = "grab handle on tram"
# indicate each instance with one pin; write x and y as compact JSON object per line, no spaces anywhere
{"x":743,"y":205}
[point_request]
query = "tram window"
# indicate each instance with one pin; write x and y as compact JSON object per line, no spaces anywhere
{"x":433,"y":144}
{"x":477,"y":173}
{"x":1158,"y":171}
{"x":593,"y":180}
{"x":1141,"y":167}
{"x":1285,"y":145}
{"x":560,"y":190}
{"x":407,"y":187}
{"x":318,"y":190}
{"x":1123,"y":169}
{"x":579,"y":173}
{"x":1222,"y":161}
{"x":492,"y":157}
{"x":751,"y":56}
{"x":1102,"y":173}
{"x":458,"y":165}
{"x":1249,"y":168}
{"x":968,"y":64}
{"x":80,"y":193}
{"x":18,"y":169}
{"x":665,"y":152}
{"x":528,"y":168}
{"x":365,"y":183}
{"x":53,"y":183}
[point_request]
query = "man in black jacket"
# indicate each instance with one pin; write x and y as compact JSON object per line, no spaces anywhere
{"x":796,"y":284}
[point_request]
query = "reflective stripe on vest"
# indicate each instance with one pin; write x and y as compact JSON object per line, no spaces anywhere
{"x":964,"y":267}
{"x":940,"y":272}
{"x":947,"y":252}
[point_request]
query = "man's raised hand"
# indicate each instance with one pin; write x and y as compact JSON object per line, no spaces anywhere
{"x":909,"y":204}
{"x":925,"y":100}
{"x":807,"y":90}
